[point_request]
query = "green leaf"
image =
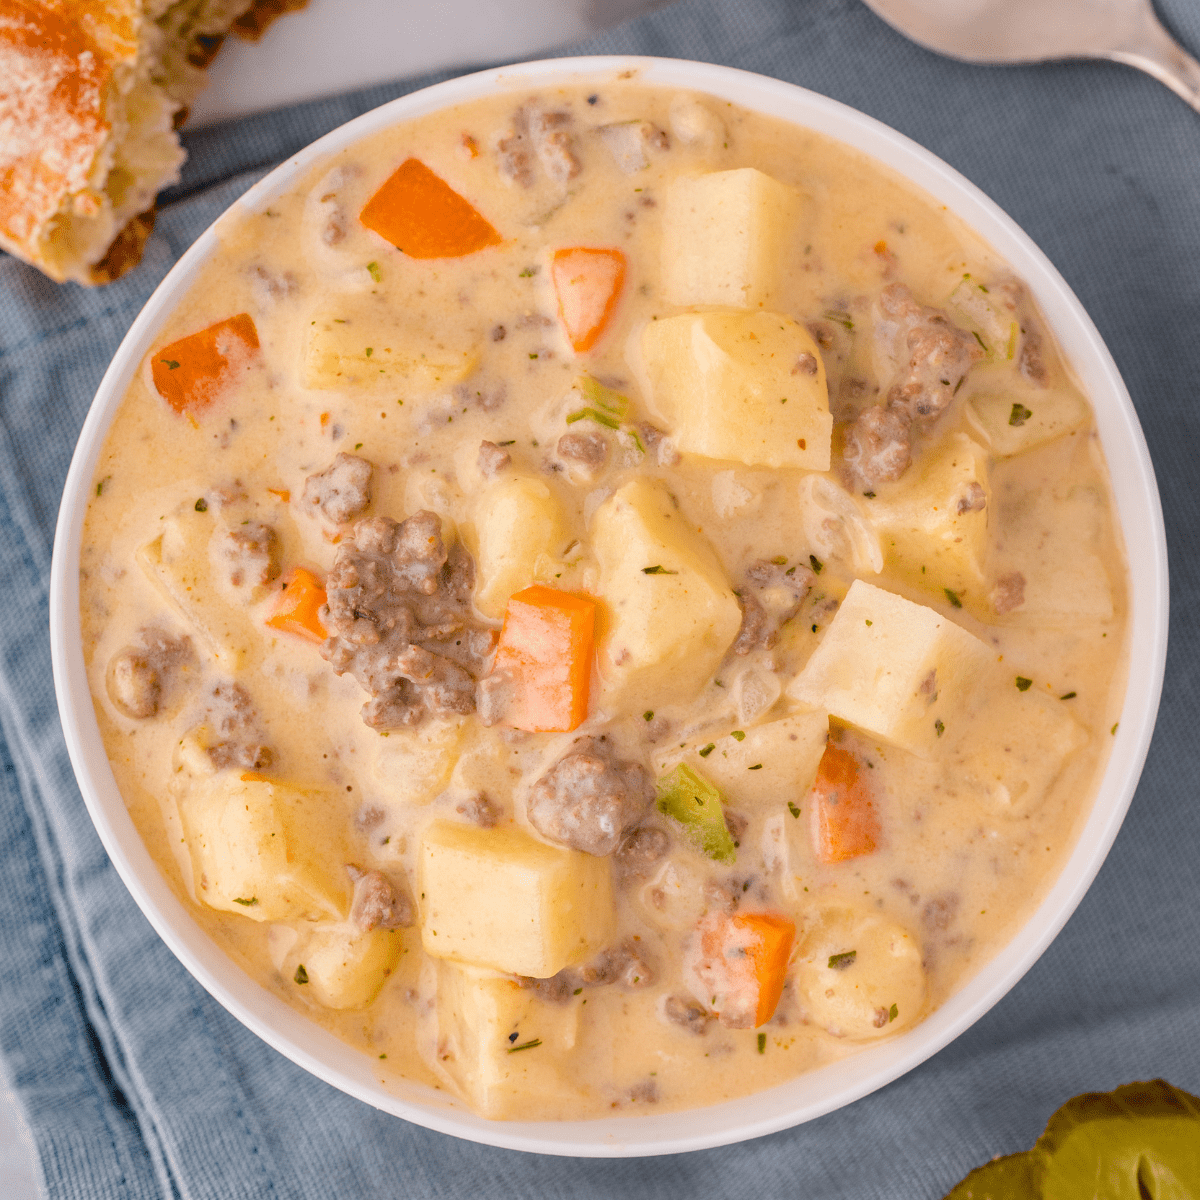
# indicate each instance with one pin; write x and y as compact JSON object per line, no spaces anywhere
{"x":707,"y":750}
{"x":687,"y":797}
{"x":1019,"y":415}
{"x":246,"y":903}
{"x":591,"y":414}
{"x":376,"y":273}
{"x":762,"y":1043}
{"x":840,"y":318}
{"x":525,"y":1046}
{"x":953,"y":598}
{"x":202,"y":505}
{"x":738,"y":735}
{"x":893,"y":1013}
{"x":172,"y":365}
{"x":1023,"y":684}
{"x":839,"y":962}
{"x":793,"y":809}
{"x":817,"y":565}
{"x":301,"y":975}
{"x":1015,"y":1177}
{"x":657,"y":570}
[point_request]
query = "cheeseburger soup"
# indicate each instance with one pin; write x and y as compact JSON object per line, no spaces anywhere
{"x":604,"y":600}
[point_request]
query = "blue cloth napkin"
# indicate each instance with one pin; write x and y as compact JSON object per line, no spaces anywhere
{"x":137,"y":1085}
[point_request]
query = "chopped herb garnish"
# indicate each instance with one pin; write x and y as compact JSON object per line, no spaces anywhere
{"x":1068,"y":695}
{"x":1113,"y":730}
{"x":738,"y":735}
{"x":705,"y":751}
{"x":510,"y":442}
{"x":533,"y":356}
{"x":793,"y":809}
{"x":591,"y":414}
{"x":1023,"y":684}
{"x":869,"y":621}
{"x":383,"y":1056}
{"x":839,"y":962}
{"x":202,"y":505}
{"x":247,"y":903}
{"x":1019,"y":415}
{"x":762,"y":1043}
{"x":301,"y":975}
{"x":376,"y":273}
{"x":657,"y":570}
{"x":358,"y":445}
{"x":893,"y":1013}
{"x":525,"y":1046}
{"x":370,"y":351}
{"x":817,"y":565}
{"x":982,"y":343}
{"x":576,"y":991}
{"x":648,"y":715}
{"x":756,"y":767}
{"x":869,"y":495}
{"x":953,"y":598}
{"x":840,"y":318}
{"x":171,"y":363}
{"x":528,"y":273}
{"x":940,"y":726}
{"x":780,"y":560}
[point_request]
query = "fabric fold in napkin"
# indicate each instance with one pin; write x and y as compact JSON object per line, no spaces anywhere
{"x":136,"y":1084}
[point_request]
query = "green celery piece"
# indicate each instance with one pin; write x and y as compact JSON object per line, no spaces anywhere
{"x":593,"y":414}
{"x":596,"y":394}
{"x":691,"y":800}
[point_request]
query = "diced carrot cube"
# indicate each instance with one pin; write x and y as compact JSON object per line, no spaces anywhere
{"x":844,"y":821}
{"x":588,"y":284}
{"x":546,"y":650}
{"x":192,"y":373}
{"x":424,"y":217}
{"x":298,"y":606}
{"x":743,"y":961}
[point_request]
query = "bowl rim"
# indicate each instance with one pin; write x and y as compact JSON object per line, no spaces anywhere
{"x":814,"y":1093}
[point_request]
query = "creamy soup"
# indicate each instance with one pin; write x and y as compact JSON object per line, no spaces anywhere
{"x":605,"y":600}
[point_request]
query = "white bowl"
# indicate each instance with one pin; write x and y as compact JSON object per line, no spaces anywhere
{"x":819,"y":1091}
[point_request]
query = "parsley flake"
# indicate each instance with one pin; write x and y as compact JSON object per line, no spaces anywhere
{"x":738,"y":735}
{"x":1019,"y":415}
{"x":301,"y":975}
{"x":940,"y":726}
{"x":1068,"y":695}
{"x":793,"y":810}
{"x":762,"y":1043}
{"x":525,"y":1046}
{"x":817,"y":565}
{"x":1023,"y":684}
{"x":172,"y":365}
{"x":246,"y":903}
{"x":707,"y":750}
{"x":893,"y":1013}
{"x":839,"y":962}
{"x":648,"y":715}
{"x":376,"y":273}
{"x":657,"y":570}
{"x":202,"y":505}
{"x":756,"y":767}
{"x":953,"y":598}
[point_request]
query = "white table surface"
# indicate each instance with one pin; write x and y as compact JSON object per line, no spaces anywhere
{"x":333,"y":46}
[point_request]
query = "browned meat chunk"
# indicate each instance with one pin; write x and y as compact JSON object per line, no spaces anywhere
{"x":639,"y":850}
{"x":558,"y":989}
{"x":939,"y":913}
{"x":877,"y":446}
{"x":252,"y":551}
{"x":770,"y":597}
{"x":588,"y":450}
{"x":235,"y":734}
{"x":626,"y":964}
{"x":537,"y":138}
{"x":586,"y":800}
{"x":140,"y":674}
{"x":492,"y":459}
{"x":377,"y":903}
{"x":938,"y":354}
{"x":399,"y":620}
{"x":686,"y":1012}
{"x":479,"y":810}
{"x":1009,"y":592}
{"x":806,"y":364}
{"x":1030,"y":361}
{"x":658,"y":445}
{"x":342,"y":491}
{"x":724,"y":895}
{"x":973,"y":499}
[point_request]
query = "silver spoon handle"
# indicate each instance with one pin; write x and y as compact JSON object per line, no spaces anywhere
{"x":1152,"y":49}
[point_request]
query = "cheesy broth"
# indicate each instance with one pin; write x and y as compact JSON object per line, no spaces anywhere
{"x":796,"y":536}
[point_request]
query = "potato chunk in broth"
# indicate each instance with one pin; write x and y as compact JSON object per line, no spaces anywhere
{"x":605,"y":601}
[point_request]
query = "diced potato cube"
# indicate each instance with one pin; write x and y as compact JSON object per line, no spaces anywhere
{"x":896,"y":669}
{"x":413,"y":765}
{"x":726,"y":236}
{"x":178,"y":564}
{"x":1058,"y":548}
{"x":749,"y":387}
{"x":498,"y":898}
{"x":1010,"y":750}
{"x":262,"y":849}
{"x":1016,"y":421}
{"x":671,"y":614}
{"x":520,"y":535}
{"x":933,"y":524}
{"x":859,"y":974}
{"x":373,"y":346}
{"x":346,"y":968}
{"x":771,"y":764}
{"x":995,"y":328}
{"x":502,"y":1076}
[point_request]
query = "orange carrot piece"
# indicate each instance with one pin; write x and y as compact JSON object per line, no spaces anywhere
{"x":424,"y":217}
{"x":546,"y":648}
{"x":844,"y":821}
{"x":298,"y":606}
{"x":191,"y":374}
{"x":588,"y":284}
{"x":745,"y":960}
